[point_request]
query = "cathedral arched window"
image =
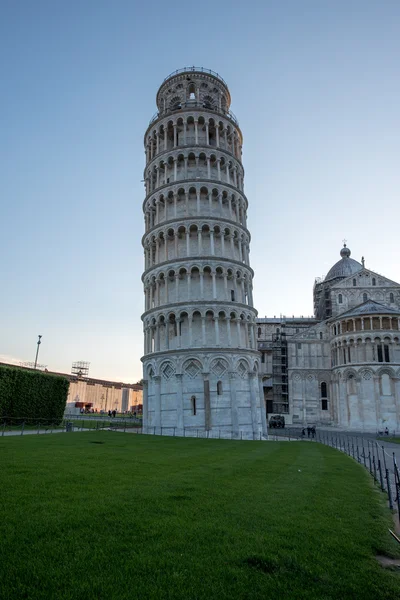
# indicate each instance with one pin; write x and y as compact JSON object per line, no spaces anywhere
{"x":320,"y":335}
{"x":277,"y":330}
{"x":259,"y":332}
{"x":373,"y":281}
{"x":354,"y":282}
{"x":365,"y":297}
{"x":324,"y":396}
{"x":193,"y":403}
{"x":340,"y":299}
{"x":219,"y":388}
{"x":391,"y":298}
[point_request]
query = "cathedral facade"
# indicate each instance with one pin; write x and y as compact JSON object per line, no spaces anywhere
{"x":342,"y":366}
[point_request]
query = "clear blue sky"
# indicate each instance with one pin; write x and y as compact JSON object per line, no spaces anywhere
{"x":315,"y":85}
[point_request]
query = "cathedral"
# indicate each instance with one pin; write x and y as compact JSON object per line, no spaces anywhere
{"x":340,"y":368}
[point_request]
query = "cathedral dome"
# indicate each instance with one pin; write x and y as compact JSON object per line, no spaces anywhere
{"x":345,"y":267}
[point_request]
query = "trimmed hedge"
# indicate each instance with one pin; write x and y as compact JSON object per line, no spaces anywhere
{"x":32,"y":394}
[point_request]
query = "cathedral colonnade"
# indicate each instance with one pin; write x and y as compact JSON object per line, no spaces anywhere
{"x":200,"y":365}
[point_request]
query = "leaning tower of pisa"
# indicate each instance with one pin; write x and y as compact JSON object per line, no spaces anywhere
{"x":200,"y":363}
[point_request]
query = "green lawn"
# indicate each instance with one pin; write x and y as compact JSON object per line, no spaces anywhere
{"x":105,"y":515}
{"x":392,"y":440}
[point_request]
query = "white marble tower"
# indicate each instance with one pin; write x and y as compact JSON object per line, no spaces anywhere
{"x":200,"y":365}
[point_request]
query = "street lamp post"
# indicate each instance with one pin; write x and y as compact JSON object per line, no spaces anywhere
{"x":37,"y":351}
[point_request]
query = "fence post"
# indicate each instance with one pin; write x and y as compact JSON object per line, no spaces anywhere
{"x":358,"y":453}
{"x":38,"y":427}
{"x":389,"y":489}
{"x":374,"y":464}
{"x":397,"y":484}
{"x":384,"y":457}
{"x":22,"y":428}
{"x":380,"y":475}
{"x":370,"y":463}
{"x":364,"y":457}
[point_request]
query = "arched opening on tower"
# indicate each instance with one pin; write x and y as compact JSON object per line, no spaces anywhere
{"x":192,"y":91}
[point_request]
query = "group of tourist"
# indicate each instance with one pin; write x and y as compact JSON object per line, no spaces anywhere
{"x":311,"y":431}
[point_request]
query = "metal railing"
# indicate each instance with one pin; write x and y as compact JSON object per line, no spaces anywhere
{"x":194,"y":70}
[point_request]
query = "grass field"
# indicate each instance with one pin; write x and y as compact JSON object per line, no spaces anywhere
{"x":105,"y":515}
{"x":392,"y":440}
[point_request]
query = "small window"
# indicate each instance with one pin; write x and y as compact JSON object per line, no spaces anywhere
{"x":386,"y":350}
{"x":259,"y":332}
{"x":277,"y":330}
{"x":193,"y":402}
{"x":324,"y":403}
{"x":380,"y":353}
{"x":340,"y":299}
{"x":344,"y":355}
{"x":324,"y":389}
{"x":365,"y":297}
{"x":219,"y":388}
{"x":320,"y":335}
{"x":348,"y":354}
{"x":334,"y":329}
{"x":373,"y":281}
{"x":233,"y":295}
{"x":263,"y":357}
{"x":297,"y":330}
{"x":354,"y":282}
{"x":298,"y":346}
{"x":391,"y":298}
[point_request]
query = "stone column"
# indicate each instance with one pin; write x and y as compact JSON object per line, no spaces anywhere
{"x":234,"y":407}
{"x":212,"y":242}
{"x":190,"y":322}
{"x":216,"y":330}
{"x":377,"y":398}
{"x":214,"y":287}
{"x":226,"y":286}
{"x":228,"y":331}
{"x":175,"y":136}
{"x":263,"y":408}
{"x":207,"y":135}
{"x":199,"y":242}
{"x":207,"y":402}
{"x":198,"y":202}
{"x":196,"y":133}
{"x":208,"y":168}
{"x":157,"y":403}
{"x":179,"y":402}
{"x":203,"y":330}
{"x":177,"y":288}
{"x":145,"y":416}
{"x":253,"y":403}
{"x":238,"y":333}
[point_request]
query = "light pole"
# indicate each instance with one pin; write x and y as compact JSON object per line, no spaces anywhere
{"x":37,"y":351}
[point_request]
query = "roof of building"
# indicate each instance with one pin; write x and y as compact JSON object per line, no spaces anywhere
{"x":367,"y":308}
{"x":345,"y":267}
